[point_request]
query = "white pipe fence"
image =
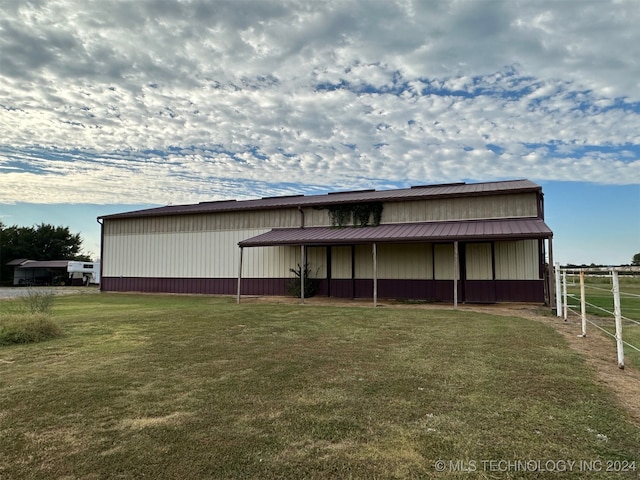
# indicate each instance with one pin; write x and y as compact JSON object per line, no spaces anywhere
{"x":563,"y":308}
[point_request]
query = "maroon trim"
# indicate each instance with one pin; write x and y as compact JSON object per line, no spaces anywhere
{"x":476,"y":291}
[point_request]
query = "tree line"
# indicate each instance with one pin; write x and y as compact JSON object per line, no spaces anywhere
{"x":40,"y":242}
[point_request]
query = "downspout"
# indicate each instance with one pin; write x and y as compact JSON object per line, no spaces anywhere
{"x":301,"y":217}
{"x":101,"y":251}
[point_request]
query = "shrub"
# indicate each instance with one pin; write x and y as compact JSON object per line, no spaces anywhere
{"x":310,"y":284}
{"x":38,"y":300}
{"x":27,"y":328}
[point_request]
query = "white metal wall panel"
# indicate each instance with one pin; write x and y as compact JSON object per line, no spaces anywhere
{"x":478,"y":261}
{"x":517,"y":260}
{"x":443,"y":261}
{"x":413,"y":261}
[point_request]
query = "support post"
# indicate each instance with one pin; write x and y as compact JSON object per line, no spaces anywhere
{"x":302,"y":269}
{"x":375,"y":275}
{"x":565,"y":308}
{"x":583,"y":305}
{"x":618,"y":314}
{"x":550,"y":276}
{"x":455,"y":274}
{"x":558,"y":294}
{"x":239,"y":277}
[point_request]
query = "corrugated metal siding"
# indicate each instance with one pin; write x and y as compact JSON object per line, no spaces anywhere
{"x":286,"y":218}
{"x":443,"y":261}
{"x":205,"y":254}
{"x":341,"y":262}
{"x":465,"y":208}
{"x":517,"y":260}
{"x":364,"y":262}
{"x":412,"y":261}
{"x":478,"y":261}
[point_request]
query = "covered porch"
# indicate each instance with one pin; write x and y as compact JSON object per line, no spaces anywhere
{"x":479,"y":261}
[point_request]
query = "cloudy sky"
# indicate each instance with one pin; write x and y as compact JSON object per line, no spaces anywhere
{"x":107,"y":106}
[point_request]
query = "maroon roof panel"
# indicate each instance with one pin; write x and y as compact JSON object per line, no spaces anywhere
{"x":293,"y":201}
{"x":468,"y":230}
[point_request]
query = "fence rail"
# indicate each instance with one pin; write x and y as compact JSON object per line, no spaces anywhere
{"x":566,"y":277}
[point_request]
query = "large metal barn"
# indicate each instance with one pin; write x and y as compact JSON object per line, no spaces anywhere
{"x":482,"y":242}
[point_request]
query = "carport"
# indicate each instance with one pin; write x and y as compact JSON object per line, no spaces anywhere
{"x":449,"y":232}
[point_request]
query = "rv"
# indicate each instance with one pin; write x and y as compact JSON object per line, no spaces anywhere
{"x":84,"y":273}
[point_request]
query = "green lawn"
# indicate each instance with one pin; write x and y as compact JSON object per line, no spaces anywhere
{"x":198,"y":387}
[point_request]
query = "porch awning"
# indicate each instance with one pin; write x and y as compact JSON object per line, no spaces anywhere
{"x":466,"y":230}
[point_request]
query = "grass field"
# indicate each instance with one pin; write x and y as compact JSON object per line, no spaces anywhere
{"x":198,"y":387}
{"x":599,"y":298}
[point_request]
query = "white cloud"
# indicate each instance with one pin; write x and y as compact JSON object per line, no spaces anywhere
{"x":190,"y":100}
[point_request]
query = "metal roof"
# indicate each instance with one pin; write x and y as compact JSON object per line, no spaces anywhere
{"x":45,"y":264}
{"x":467,"y":230}
{"x":294,"y":201}
{"x":18,"y":261}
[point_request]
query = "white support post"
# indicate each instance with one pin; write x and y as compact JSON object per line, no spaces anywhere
{"x":302,"y":269}
{"x":618,"y":314}
{"x":239,"y":277}
{"x":583,"y":305}
{"x":375,"y":275}
{"x":558,"y":295}
{"x":455,"y":274}
{"x":564,"y":295}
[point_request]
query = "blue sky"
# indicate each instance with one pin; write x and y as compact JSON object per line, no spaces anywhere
{"x":109,"y":106}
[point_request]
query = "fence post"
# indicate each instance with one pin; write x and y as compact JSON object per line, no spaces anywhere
{"x":583,"y":305}
{"x":564,"y":295}
{"x":618,"y":314}
{"x":558,"y":297}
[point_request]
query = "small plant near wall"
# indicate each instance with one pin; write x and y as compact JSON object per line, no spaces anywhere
{"x":361,"y":214}
{"x":310,"y":283}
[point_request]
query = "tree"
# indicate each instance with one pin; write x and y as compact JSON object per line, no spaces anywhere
{"x":41,"y":242}
{"x":636,"y":259}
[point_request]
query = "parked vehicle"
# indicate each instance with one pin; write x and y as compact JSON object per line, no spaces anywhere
{"x":86,"y":273}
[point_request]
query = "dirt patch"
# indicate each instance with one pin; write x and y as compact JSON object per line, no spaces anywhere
{"x":598,"y":350}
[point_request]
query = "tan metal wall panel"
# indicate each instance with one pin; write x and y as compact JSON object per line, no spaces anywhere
{"x":412,"y":261}
{"x":443,"y":261}
{"x":341,"y":262}
{"x":364,"y":261}
{"x":317,"y":260}
{"x":185,"y":254}
{"x":517,"y":260}
{"x":285,"y":218}
{"x":478,"y":261}
{"x":465,"y":208}
{"x":201,"y":255}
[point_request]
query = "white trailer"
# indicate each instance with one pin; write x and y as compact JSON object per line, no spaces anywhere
{"x":84,"y":272}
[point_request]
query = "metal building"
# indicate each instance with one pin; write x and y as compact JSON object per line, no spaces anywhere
{"x":488,"y":239}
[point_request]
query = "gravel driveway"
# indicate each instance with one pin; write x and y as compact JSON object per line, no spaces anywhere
{"x":15,"y":292}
